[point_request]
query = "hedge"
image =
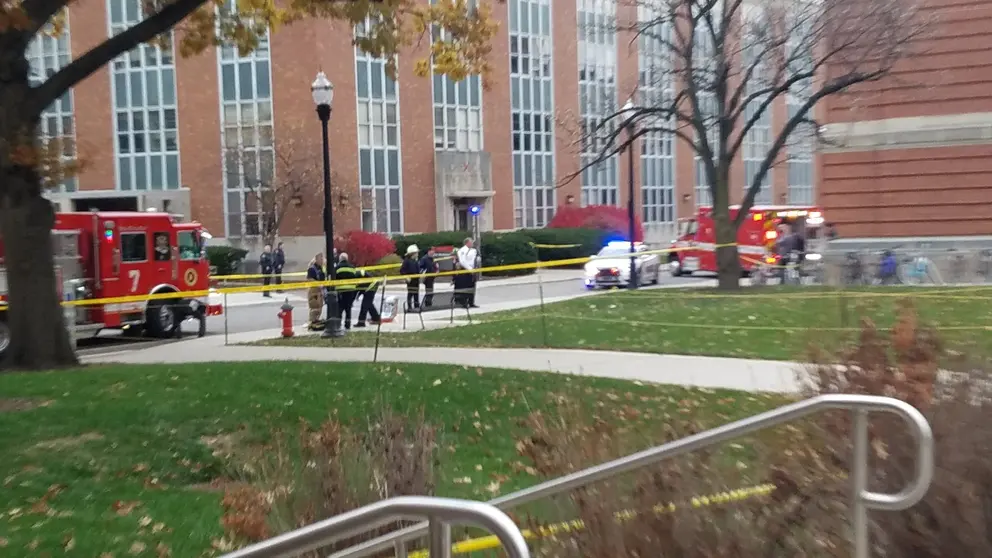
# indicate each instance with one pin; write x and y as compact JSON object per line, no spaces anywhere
{"x":497,"y":248}
{"x":507,"y":249}
{"x":226,"y":260}
{"x":589,"y":242}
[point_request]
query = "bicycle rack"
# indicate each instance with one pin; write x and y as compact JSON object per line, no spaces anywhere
{"x":862,"y":499}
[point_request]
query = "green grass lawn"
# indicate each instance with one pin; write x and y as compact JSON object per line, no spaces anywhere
{"x":111,"y":460}
{"x":771,"y":323}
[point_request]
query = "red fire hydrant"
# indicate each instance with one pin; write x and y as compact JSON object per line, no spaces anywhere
{"x":286,"y":315}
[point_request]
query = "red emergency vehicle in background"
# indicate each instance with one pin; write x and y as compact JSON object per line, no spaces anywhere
{"x":122,"y":254}
{"x":695,"y":246}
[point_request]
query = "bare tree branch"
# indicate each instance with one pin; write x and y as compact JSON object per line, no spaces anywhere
{"x":79,"y":69}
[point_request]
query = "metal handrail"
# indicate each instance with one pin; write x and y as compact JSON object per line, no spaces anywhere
{"x":441,"y":511}
{"x":863,"y":499}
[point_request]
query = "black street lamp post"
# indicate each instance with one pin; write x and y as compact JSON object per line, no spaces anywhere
{"x":323,"y":93}
{"x":632,"y":282}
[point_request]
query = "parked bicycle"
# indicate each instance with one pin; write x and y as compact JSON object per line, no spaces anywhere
{"x":917,"y":269}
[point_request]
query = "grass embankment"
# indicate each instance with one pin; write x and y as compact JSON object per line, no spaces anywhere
{"x":772,"y":323}
{"x":116,"y":460}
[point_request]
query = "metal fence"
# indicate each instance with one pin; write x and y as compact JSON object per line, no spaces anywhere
{"x":862,"y":499}
{"x":442,"y":512}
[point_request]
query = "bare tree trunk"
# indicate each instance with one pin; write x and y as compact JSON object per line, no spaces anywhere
{"x":728,"y":265}
{"x":39,"y":340}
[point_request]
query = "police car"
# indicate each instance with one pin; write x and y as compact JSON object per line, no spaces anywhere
{"x":611,"y":266}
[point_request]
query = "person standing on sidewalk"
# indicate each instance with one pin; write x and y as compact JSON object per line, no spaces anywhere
{"x":265,"y":262}
{"x":315,"y":295}
{"x":368,"y":309}
{"x":410,"y":268}
{"x":428,"y":267}
{"x":278,"y":263}
{"x":347,"y":292}
{"x":468,"y":258}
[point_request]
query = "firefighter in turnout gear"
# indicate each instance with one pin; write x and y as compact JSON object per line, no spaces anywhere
{"x":367,"y":292}
{"x":315,"y":295}
{"x":347,"y":292}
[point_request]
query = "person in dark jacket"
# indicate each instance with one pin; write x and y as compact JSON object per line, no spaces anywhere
{"x":411,"y":269}
{"x":367,"y":292}
{"x":265,"y":262}
{"x":429,"y":267}
{"x":278,"y":263}
{"x":464,"y":284}
{"x":346,"y":293}
{"x":315,"y":295}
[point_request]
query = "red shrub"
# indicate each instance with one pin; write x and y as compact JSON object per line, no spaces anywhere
{"x":607,"y":218}
{"x":365,"y":248}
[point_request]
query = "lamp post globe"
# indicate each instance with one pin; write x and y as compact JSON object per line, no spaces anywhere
{"x":323,"y":95}
{"x":322,"y":90}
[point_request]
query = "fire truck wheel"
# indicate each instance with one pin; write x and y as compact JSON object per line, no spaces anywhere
{"x":4,"y":337}
{"x":675,"y":266}
{"x":160,"y":319}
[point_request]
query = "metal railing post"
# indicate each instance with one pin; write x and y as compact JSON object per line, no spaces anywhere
{"x":859,"y":484}
{"x":400,"y":549}
{"x":440,"y":538}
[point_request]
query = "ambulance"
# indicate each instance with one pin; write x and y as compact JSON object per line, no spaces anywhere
{"x":694,"y":249}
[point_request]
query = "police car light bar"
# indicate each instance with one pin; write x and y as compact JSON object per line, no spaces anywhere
{"x":621,"y":244}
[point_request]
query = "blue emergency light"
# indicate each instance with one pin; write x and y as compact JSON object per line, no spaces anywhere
{"x":475,"y":209}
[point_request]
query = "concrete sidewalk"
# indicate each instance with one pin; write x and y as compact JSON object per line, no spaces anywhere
{"x":707,"y":372}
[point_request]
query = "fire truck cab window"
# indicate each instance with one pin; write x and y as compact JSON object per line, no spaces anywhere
{"x":134,"y":247}
{"x":189,"y":246}
{"x":163,"y":253}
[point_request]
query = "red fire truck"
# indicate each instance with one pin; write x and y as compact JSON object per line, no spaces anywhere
{"x":126,"y":254}
{"x":695,"y":246}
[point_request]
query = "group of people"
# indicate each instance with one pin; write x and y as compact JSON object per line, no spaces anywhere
{"x":346,"y":294}
{"x":414,"y":266}
{"x":272,"y":263}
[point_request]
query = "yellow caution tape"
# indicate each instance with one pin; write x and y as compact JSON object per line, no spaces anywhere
{"x":554,"y":246}
{"x":304,"y":273}
{"x":696,"y":502}
{"x":336,"y":283}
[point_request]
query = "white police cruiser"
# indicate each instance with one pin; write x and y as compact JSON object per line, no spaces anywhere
{"x":611,"y":266}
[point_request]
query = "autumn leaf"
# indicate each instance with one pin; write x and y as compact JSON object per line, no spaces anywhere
{"x":125,"y":508}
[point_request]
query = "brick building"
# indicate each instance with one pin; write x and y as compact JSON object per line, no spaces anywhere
{"x":912,"y":156}
{"x":407,"y":156}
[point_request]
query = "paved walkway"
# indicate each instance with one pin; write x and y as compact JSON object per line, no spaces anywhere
{"x":708,"y":372}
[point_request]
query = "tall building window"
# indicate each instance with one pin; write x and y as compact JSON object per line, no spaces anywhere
{"x":757,"y":140}
{"x":597,"y":46}
{"x":800,"y":152}
{"x":801,"y":188}
{"x":704,"y":54}
{"x":380,"y":174}
{"x":532,"y":112}
{"x":247,"y":137}
{"x":146,"y":123}
{"x":47,"y":54}
{"x":457,"y":110}
{"x":656,"y":90}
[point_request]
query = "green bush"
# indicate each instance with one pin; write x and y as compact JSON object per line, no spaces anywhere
{"x":226,"y":260}
{"x":507,"y":249}
{"x":589,"y":242}
{"x":427,"y":240}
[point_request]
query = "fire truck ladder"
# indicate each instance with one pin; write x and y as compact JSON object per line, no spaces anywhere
{"x":363,"y":520}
